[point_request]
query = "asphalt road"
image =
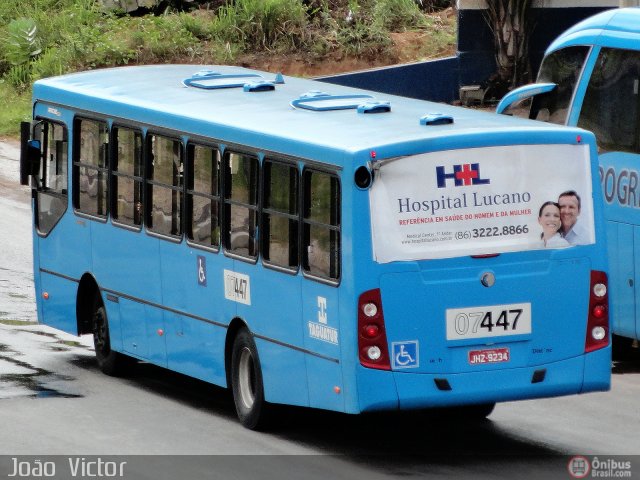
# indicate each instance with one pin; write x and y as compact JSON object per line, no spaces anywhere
{"x":55,"y":402}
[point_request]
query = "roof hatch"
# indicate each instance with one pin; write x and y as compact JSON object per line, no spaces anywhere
{"x":320,"y":102}
{"x":250,"y":82}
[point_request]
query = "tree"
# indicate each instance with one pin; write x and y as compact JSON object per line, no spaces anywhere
{"x":511,"y":24}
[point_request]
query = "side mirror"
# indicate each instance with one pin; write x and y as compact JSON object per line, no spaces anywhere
{"x":30,"y":154}
{"x":523,"y":93}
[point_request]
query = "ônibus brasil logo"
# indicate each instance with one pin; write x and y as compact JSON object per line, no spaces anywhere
{"x":463,"y":175}
{"x":579,"y":467}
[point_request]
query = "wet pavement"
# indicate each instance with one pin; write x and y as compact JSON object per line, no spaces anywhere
{"x":17,"y":300}
{"x":25,"y":348}
{"x":21,"y":339}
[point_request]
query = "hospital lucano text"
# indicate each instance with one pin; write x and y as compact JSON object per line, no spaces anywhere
{"x":475,"y":199}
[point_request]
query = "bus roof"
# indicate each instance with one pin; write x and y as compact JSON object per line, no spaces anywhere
{"x":156,"y":95}
{"x":619,"y":28}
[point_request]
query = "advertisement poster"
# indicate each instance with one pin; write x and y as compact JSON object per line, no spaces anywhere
{"x":482,"y":201}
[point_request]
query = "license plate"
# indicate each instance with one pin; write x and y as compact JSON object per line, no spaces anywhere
{"x":489,"y":321}
{"x":493,"y":355}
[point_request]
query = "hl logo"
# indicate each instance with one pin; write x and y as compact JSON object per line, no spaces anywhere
{"x":463,"y":175}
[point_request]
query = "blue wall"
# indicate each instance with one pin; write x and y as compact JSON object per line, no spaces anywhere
{"x":435,"y":80}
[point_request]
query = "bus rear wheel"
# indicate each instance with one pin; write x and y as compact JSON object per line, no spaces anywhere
{"x":110,"y":362}
{"x":246,"y":382}
{"x":476,"y":412}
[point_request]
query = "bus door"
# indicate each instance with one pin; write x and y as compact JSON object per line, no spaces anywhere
{"x":321,"y":257}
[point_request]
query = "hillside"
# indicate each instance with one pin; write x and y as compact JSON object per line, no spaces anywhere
{"x":43,"y":38}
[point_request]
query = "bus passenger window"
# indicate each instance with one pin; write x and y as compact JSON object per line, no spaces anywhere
{"x":127,"y":177}
{"x":90,"y":167}
{"x":51,"y":202}
{"x":611,"y":104}
{"x":241,"y":204}
{"x":203,"y":197}
{"x":165,"y":185}
{"x":280,"y":215}
{"x":321,"y":247}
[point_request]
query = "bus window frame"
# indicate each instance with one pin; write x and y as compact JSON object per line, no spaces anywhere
{"x":585,"y":70}
{"x":150,"y":183}
{"x":76,"y":165}
{"x":39,"y":183}
{"x":114,"y":174}
{"x":596,"y":52}
{"x":292,"y":164}
{"x":224,"y":241}
{"x":190,"y":192}
{"x":303,"y":221}
{"x":531,"y":92}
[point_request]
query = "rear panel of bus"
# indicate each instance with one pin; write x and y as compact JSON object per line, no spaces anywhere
{"x":464,"y":301}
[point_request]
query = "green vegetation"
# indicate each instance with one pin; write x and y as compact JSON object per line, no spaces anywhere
{"x":42,"y":38}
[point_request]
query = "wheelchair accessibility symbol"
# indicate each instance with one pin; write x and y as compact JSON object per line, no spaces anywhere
{"x":202,"y":271}
{"x":405,"y":354}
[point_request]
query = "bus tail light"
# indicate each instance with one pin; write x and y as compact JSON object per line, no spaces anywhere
{"x":372,"y":337}
{"x":598,"y":322}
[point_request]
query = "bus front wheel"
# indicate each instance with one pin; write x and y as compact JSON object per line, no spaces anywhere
{"x":110,"y":362}
{"x":246,"y":382}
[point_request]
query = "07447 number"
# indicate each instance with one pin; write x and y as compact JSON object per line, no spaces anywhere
{"x":491,"y":321}
{"x":507,"y":319}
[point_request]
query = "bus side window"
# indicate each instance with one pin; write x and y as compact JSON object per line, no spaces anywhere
{"x":53,"y":172}
{"x":611,"y":104}
{"x":203,"y":195}
{"x":52,"y":181}
{"x":280,"y":220}
{"x":90,"y":167}
{"x":241,"y":203}
{"x":321,"y":229}
{"x":127,"y":177}
{"x":164,"y":185}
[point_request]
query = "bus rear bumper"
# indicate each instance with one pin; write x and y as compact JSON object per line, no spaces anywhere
{"x":591,"y":372}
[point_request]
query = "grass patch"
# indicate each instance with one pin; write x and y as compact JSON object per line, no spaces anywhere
{"x":43,"y":38}
{"x":17,"y":108}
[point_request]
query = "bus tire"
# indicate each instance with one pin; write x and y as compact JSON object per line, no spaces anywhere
{"x":622,"y":349}
{"x":110,"y":362}
{"x":465,"y":413}
{"x":477,"y":412}
{"x":246,"y":382}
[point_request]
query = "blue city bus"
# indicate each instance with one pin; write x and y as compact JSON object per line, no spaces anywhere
{"x":315,"y":245}
{"x":590,"y":77}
